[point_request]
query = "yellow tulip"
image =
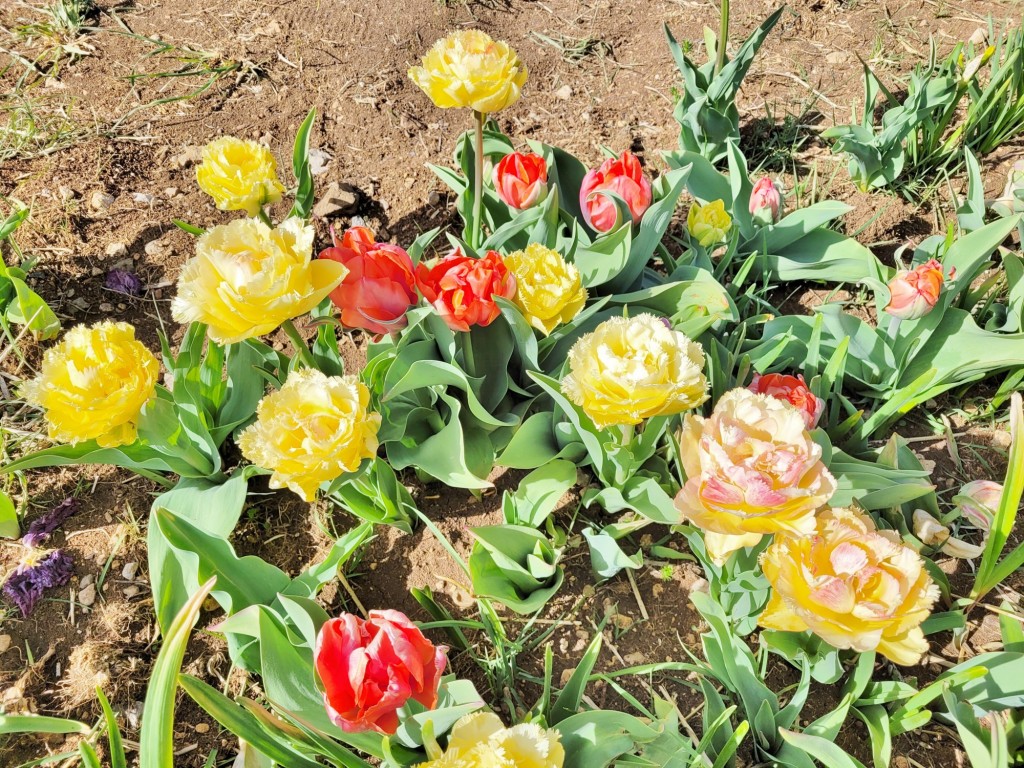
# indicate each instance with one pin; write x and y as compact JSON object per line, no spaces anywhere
{"x":709,"y":224}
{"x":852,"y":585}
{"x":311,"y":431}
{"x":93,"y":385}
{"x":469,"y":69}
{"x":481,"y":740}
{"x":239,"y":175}
{"x":548,"y":289}
{"x":751,"y":469}
{"x":630,"y":369}
{"x":246,"y":279}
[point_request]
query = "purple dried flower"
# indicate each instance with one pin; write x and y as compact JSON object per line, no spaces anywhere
{"x":41,"y":528}
{"x":123,"y":281}
{"x":25,"y":586}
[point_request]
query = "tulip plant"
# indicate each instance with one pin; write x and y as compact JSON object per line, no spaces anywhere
{"x":562,"y":331}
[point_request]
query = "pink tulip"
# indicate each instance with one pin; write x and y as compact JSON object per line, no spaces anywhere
{"x":766,"y":201}
{"x":371,"y":668}
{"x":521,"y":180}
{"x":915,"y":292}
{"x":625,"y":178}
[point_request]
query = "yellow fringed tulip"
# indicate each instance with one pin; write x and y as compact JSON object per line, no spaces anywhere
{"x":548,"y":289}
{"x":630,"y":369}
{"x":751,"y":469}
{"x":93,"y":385}
{"x":239,"y":175}
{"x":246,"y":279}
{"x":481,"y":740}
{"x":312,"y":430}
{"x":709,"y":224}
{"x":469,"y":69}
{"x":852,"y":585}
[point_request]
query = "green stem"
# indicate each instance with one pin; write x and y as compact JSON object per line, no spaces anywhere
{"x":478,"y":179}
{"x":468,"y":356}
{"x":265,"y":218}
{"x":627,"y":431}
{"x":723,"y":37}
{"x":894,"y":327}
{"x":299,"y":343}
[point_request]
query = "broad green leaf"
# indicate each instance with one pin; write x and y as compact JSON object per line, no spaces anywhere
{"x":827,"y":752}
{"x":538,"y":493}
{"x":40,"y":724}
{"x":9,"y":528}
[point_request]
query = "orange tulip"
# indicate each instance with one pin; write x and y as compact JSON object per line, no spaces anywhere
{"x":793,"y":390}
{"x":521,"y":180}
{"x":380,"y":285}
{"x":462,"y":289}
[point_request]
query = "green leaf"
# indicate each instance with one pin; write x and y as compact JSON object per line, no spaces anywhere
{"x":538,"y":493}
{"x":117,"y":755}
{"x":514,"y":565}
{"x":40,"y":724}
{"x":242,"y":723}
{"x":156,"y":740}
{"x":595,"y":739}
{"x":9,"y":528}
{"x":607,"y":556}
{"x":89,"y":756}
{"x":300,"y":167}
{"x":827,"y":752}
{"x":568,"y":701}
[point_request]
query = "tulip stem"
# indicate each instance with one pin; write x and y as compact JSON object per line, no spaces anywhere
{"x":627,"y":433}
{"x":299,"y":343}
{"x":478,"y":179}
{"x":894,"y":327}
{"x":723,"y":37}
{"x":265,"y":218}
{"x":468,"y":356}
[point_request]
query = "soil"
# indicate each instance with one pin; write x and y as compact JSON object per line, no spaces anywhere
{"x":143,"y":85}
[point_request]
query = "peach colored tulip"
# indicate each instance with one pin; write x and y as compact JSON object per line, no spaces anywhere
{"x":793,"y":390}
{"x":521,"y":180}
{"x":915,"y":292}
{"x":624,"y":177}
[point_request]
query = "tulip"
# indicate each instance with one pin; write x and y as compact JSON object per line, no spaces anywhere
{"x":792,"y":390}
{"x":370,"y":669}
{"x":851,"y":585}
{"x":481,"y":740}
{"x":766,"y":202}
{"x":624,"y":177}
{"x":469,"y":69}
{"x":521,"y":180}
{"x":914,"y":293}
{"x":247,"y":279}
{"x":977,"y":502}
{"x":752,"y":469}
{"x":380,"y":284}
{"x":462,"y":289}
{"x":312,"y":431}
{"x":239,"y":175}
{"x":709,"y":224}
{"x":93,"y":385}
{"x":549,"y":290}
{"x":630,"y":369}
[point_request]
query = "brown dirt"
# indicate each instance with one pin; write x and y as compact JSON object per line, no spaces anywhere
{"x":348,"y":60}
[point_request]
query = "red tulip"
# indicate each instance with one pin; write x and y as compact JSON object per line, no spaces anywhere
{"x":521,"y":180}
{"x":793,"y":390}
{"x":915,"y":293}
{"x":371,"y":668}
{"x":625,"y":178}
{"x":380,"y":285}
{"x":462,"y":289}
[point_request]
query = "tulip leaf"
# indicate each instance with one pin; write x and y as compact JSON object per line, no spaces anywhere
{"x":40,"y":724}
{"x":303,"y":204}
{"x":596,"y":739}
{"x":538,"y":493}
{"x":606,"y":555}
{"x":514,"y":565}
{"x":156,"y":740}
{"x":827,"y":752}
{"x":9,"y":527}
{"x":241,"y":722}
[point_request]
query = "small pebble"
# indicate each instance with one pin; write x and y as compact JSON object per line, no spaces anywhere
{"x":116,"y":251}
{"x":88,"y":579}
{"x":202,"y":727}
{"x":433,"y":198}
{"x":106,"y":307}
{"x":129,"y":571}
{"x":170,"y":192}
{"x":130,"y":591}
{"x":66,"y":194}
{"x":564,"y":93}
{"x":100,"y":201}
{"x":87,"y":596}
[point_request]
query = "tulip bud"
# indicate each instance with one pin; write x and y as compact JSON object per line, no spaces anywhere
{"x":521,"y":180}
{"x":766,"y":202}
{"x":709,"y":224}
{"x":915,"y":292}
